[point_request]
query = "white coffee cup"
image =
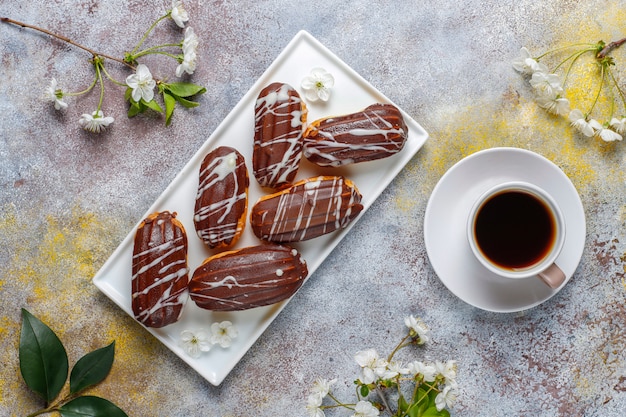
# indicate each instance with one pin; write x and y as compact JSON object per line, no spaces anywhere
{"x":516,"y":230}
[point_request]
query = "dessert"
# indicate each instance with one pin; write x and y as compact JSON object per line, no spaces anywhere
{"x":159,"y":270}
{"x":376,"y":132}
{"x":308,"y":209}
{"x":279,"y":116}
{"x":222,"y":198}
{"x":251,"y":277}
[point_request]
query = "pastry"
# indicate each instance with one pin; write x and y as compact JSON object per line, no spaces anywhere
{"x":377,"y":132}
{"x":279,"y":117}
{"x":222,"y":198}
{"x":251,"y":277}
{"x":308,"y":209}
{"x":159,"y":270}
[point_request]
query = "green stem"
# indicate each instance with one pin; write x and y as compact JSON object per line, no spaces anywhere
{"x":562,"y":48}
{"x":176,"y":57}
{"x":619,"y":90}
{"x":145,"y":35}
{"x":398,"y":347}
{"x":602,"y":76}
{"x":574,"y":58}
{"x":86,"y":90}
{"x":113,"y":80}
{"x":98,"y":65}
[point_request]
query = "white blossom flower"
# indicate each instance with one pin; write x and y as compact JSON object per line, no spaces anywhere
{"x":580,"y":123}
{"x":619,"y":125}
{"x":446,"y":398}
{"x":190,"y":41}
{"x":417,"y":328}
{"x":322,"y":386}
{"x":194,"y":343}
{"x":223,"y":333}
{"x":372,"y":366}
{"x":447,"y":370}
{"x":178,"y":13}
{"x":557,"y":105}
{"x":526,"y":64}
{"x":313,"y":406}
{"x":95,"y":122}
{"x":55,"y":95}
{"x":317,"y":84}
{"x":190,"y":48}
{"x":608,"y":135}
{"x":365,"y":409}
{"x":142,"y":84}
{"x":546,"y":86}
{"x":397,"y":368}
{"x":427,"y":371}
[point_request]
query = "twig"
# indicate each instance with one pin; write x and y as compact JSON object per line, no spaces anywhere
{"x":66,"y":39}
{"x":609,"y":47}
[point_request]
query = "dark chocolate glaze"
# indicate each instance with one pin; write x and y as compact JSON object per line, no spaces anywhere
{"x":251,"y":277}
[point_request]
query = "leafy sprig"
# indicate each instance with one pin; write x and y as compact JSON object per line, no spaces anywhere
{"x":140,"y":85}
{"x":45,"y":366}
{"x":420,"y":389}
{"x":550,"y":93}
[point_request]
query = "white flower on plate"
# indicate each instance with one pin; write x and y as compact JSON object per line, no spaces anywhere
{"x":142,"y":84}
{"x":365,"y":409}
{"x":194,"y":343}
{"x":223,"y":333}
{"x":317,"y":84}
{"x":178,"y":13}
{"x":55,"y":95}
{"x":95,"y":122}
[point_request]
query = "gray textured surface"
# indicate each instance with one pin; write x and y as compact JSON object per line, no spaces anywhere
{"x":67,"y":199}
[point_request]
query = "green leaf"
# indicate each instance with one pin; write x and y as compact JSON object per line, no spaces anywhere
{"x":432,"y":412}
{"x":417,"y":409}
{"x":186,"y":103}
{"x":152,"y":105}
{"x":185,"y":89}
{"x":135,"y":108}
{"x":92,"y":368}
{"x":90,"y":406}
{"x":43,"y":359}
{"x":128,"y":94}
{"x":365,"y":390}
{"x":402,"y":404}
{"x":170,"y":103}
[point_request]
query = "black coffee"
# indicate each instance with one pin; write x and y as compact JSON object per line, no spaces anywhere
{"x":514,"y":229}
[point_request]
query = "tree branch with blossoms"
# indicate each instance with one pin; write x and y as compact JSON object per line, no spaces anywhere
{"x":141,"y":84}
{"x":419,"y":389}
{"x":549,"y":88}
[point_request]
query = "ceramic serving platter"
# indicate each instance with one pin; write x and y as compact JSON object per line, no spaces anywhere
{"x":350,"y":93}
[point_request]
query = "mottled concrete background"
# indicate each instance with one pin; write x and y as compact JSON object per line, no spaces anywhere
{"x":68,"y":198}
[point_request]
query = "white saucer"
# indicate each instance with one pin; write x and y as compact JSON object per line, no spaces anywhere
{"x":445,"y":227}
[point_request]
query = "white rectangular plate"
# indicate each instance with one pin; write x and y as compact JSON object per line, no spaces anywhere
{"x":351,"y":93}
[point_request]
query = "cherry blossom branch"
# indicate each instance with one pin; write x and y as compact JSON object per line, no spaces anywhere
{"x":609,"y":47}
{"x":66,"y":39}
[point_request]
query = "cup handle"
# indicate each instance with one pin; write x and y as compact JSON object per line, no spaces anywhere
{"x":553,"y":277}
